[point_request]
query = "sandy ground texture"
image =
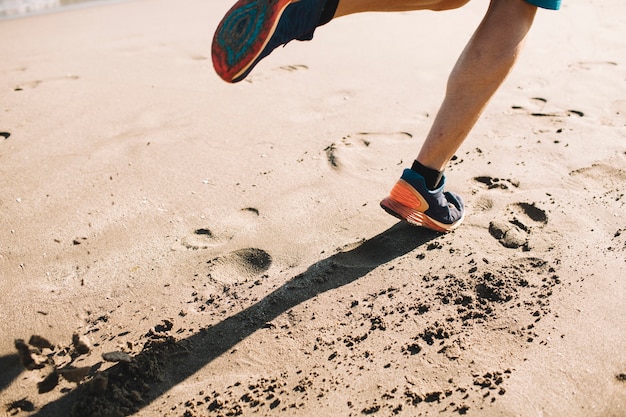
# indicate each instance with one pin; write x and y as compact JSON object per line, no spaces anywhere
{"x":171,"y":245}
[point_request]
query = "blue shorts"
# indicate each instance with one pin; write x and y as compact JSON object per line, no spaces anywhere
{"x":546,"y":4}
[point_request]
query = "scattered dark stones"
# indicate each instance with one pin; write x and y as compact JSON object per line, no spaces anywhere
{"x":164,"y":327}
{"x":486,"y":293}
{"x":495,"y":290}
{"x":351,"y":340}
{"x":371,"y":410}
{"x":413,"y":349}
{"x":274,"y":404}
{"x":331,"y":155}
{"x":492,"y":380}
{"x":412,"y":397}
{"x":117,"y":357}
{"x":377,"y":323}
{"x":433,"y":397}
{"x":441,"y":311}
{"x":122,"y":389}
{"x":117,"y":391}
{"x":482,"y":382}
{"x":621,"y":377}
{"x":433,"y":333}
{"x":434,"y":245}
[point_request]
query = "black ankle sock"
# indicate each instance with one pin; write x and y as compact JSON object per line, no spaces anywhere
{"x":432,"y":176}
{"x":328,"y":12}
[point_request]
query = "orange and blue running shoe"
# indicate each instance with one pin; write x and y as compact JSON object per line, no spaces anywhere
{"x":412,"y":201}
{"x":252,"y":29}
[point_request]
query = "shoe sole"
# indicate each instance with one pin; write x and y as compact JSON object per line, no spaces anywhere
{"x":416,"y":217}
{"x":243,"y":34}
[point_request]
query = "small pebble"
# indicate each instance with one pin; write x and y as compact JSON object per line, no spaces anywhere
{"x":117,"y":357}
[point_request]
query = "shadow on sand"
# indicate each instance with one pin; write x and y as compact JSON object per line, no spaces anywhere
{"x":330,"y":273}
{"x":11,"y":369}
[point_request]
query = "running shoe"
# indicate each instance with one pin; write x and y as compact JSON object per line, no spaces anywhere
{"x":412,"y":201}
{"x":252,"y":29}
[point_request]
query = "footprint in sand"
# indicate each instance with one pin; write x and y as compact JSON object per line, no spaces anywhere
{"x":484,"y":202}
{"x":239,"y":266}
{"x":589,"y":65}
{"x":291,"y":68}
{"x":539,"y":107}
{"x":206,"y":238}
{"x":202,"y":238}
{"x":500,"y":183}
{"x":234,"y":267}
{"x":606,"y":179}
{"x":262,"y":76}
{"x":36,"y":83}
{"x":360,"y":149}
{"x":603,"y":183}
{"x":515,"y":232}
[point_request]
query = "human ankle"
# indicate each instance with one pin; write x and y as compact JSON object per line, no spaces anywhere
{"x":432,"y":177}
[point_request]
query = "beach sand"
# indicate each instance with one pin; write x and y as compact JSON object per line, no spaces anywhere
{"x":225,"y":242}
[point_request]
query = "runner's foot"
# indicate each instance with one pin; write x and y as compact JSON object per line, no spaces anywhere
{"x":252,"y":29}
{"x":412,"y":201}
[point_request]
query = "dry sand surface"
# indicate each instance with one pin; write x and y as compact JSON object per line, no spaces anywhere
{"x":171,"y":245}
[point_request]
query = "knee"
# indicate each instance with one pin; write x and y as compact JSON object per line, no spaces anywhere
{"x":447,"y":4}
